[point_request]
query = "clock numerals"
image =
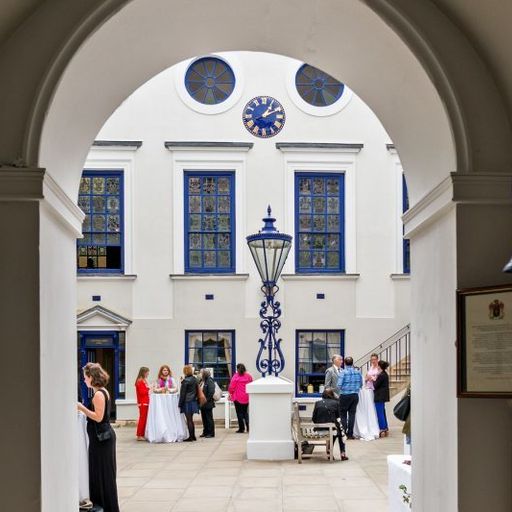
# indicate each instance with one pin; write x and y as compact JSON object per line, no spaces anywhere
{"x":263,"y":116}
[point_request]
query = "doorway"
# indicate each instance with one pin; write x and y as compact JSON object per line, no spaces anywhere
{"x":107,"y":349}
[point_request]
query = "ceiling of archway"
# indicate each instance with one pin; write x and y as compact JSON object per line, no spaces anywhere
{"x":13,"y":13}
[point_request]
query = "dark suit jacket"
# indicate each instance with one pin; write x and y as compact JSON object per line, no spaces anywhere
{"x":326,"y":411}
{"x":209,"y":390}
{"x":381,"y":388}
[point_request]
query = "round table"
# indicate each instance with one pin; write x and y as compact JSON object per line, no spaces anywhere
{"x":165,"y":422}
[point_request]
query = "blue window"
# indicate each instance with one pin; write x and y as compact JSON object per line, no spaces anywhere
{"x":406,"y":245}
{"x":214,"y":350}
{"x":108,"y":349}
{"x":101,"y":199}
{"x":314,"y":350}
{"x":317,"y":87}
{"x":209,"y":221}
{"x":210,"y":80}
{"x":319,"y":222}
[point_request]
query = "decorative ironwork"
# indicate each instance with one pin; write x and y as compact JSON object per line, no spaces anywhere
{"x":270,"y":358}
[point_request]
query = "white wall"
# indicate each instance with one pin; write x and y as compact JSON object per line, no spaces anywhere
{"x":369,"y":304}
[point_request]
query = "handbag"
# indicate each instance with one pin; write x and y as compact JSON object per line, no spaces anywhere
{"x":217,"y":395}
{"x":103,"y":431}
{"x":403,"y":408}
{"x":200,"y":395}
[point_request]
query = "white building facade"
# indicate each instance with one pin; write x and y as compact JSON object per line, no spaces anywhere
{"x":178,"y":177}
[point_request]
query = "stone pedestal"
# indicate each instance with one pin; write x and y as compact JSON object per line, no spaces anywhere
{"x":270,"y":436}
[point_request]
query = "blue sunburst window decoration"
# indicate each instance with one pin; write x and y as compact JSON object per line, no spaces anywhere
{"x":210,"y":80}
{"x":317,"y":87}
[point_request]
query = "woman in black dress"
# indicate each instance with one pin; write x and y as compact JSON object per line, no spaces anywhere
{"x":381,"y":396}
{"x":188,"y":400}
{"x":102,"y":440}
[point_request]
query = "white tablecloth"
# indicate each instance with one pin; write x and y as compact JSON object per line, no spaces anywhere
{"x":83,"y":458}
{"x":165,"y":422}
{"x":398,"y":474}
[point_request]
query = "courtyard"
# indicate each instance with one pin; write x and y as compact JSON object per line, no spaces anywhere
{"x":214,"y":475}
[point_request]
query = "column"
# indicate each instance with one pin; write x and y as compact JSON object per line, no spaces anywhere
{"x":38,"y":227}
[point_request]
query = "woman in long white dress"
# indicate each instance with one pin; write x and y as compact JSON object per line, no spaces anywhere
{"x":366,"y":426}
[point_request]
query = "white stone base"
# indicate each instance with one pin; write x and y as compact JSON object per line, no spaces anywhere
{"x":270,"y":450}
{"x":270,"y":409}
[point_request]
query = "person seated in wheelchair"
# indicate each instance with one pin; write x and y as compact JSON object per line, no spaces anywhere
{"x":327,"y":410}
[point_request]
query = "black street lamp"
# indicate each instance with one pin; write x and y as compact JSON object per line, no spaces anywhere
{"x":269,"y":249}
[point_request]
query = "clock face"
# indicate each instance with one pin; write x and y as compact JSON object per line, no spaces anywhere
{"x":264,"y":116}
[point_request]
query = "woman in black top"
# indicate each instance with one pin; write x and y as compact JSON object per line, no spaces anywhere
{"x":102,"y":440}
{"x":381,"y":396}
{"x":208,"y":386}
{"x":188,"y":400}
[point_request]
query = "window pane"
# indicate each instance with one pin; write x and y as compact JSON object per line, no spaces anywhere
{"x":100,"y":193}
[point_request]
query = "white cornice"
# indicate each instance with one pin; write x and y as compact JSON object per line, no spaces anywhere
{"x":21,"y":183}
{"x":476,"y":189}
{"x":104,"y":313}
{"x":63,"y":206}
{"x":319,"y":147}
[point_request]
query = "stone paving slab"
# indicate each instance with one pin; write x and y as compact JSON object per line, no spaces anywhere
{"x":214,"y":475}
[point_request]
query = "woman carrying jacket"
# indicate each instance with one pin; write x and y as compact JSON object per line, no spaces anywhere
{"x":188,"y":400}
{"x":381,"y":396}
{"x":239,"y":396}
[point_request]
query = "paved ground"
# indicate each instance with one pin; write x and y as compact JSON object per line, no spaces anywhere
{"x":213,"y":475}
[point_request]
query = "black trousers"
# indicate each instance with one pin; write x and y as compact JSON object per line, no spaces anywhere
{"x":208,"y":423}
{"x":242,"y":414}
{"x":348,"y":406}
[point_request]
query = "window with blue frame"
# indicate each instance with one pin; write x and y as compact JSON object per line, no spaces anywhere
{"x":314,"y":350}
{"x":319,"y":222}
{"x":214,"y":350}
{"x":101,"y":199}
{"x":317,"y":87}
{"x":209,"y":221}
{"x":210,"y":80}
{"x":406,"y":244}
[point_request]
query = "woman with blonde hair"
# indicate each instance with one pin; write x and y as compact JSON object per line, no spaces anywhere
{"x":142,"y":391}
{"x":188,"y":400}
{"x":102,"y":440}
{"x":165,"y":382}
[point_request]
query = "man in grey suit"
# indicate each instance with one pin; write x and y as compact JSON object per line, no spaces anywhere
{"x":332,"y":373}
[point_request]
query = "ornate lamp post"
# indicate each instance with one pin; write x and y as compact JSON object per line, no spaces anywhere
{"x":269,"y":249}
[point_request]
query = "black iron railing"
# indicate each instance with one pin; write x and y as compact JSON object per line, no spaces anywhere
{"x":396,"y":350}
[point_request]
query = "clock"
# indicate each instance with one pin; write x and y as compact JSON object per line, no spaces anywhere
{"x":264,"y":116}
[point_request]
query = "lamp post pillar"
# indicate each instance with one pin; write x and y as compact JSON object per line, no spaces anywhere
{"x":270,"y":404}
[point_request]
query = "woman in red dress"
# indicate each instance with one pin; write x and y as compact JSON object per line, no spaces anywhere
{"x":142,"y":389}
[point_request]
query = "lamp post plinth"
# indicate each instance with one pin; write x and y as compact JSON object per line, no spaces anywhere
{"x":270,"y":412}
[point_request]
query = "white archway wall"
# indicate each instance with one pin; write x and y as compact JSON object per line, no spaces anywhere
{"x":142,"y":40}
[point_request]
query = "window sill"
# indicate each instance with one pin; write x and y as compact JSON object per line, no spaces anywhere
{"x":400,"y":277}
{"x":320,"y":276}
{"x":305,"y":398}
{"x":209,"y":277}
{"x":106,"y":277}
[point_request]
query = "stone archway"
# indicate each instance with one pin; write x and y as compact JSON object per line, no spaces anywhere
{"x":402,"y":72}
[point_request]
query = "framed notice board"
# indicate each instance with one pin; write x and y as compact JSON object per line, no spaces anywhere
{"x":484,"y":344}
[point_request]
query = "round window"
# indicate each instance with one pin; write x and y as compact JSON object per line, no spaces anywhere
{"x":317,"y":87}
{"x":209,"y":80}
